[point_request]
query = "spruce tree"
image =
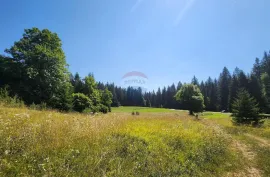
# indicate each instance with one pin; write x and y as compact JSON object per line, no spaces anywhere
{"x":224,"y":82}
{"x":245,"y":109}
{"x":234,"y":87}
{"x":195,"y":81}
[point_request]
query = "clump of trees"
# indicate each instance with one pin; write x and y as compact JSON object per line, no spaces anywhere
{"x":35,"y":70}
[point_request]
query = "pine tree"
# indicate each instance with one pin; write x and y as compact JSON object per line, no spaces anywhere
{"x":77,"y":84}
{"x":179,"y":85}
{"x":164,"y":97}
{"x":245,"y":109}
{"x":255,"y":89}
{"x":266,"y":91}
{"x":195,"y":81}
{"x":159,"y":98}
{"x":224,"y":82}
{"x":257,"y":69}
{"x":234,"y":87}
{"x":243,"y":80}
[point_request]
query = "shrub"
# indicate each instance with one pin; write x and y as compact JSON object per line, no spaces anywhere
{"x":104,"y":109}
{"x":33,"y":106}
{"x":87,"y":111}
{"x":43,"y":106}
{"x":245,"y":109}
{"x":137,"y":113}
{"x":133,"y":113}
{"x":10,"y":101}
{"x":81,"y":102}
{"x":95,"y":108}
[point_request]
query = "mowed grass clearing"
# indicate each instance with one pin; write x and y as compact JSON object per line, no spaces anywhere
{"x":38,"y":143}
{"x":129,"y":109}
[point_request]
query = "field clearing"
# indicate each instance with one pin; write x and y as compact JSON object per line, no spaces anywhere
{"x":37,"y":143}
{"x":129,"y":109}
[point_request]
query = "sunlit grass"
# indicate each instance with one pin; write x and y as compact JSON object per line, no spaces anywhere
{"x":224,"y":119}
{"x":257,"y":139}
{"x":140,"y":109}
{"x":37,"y":143}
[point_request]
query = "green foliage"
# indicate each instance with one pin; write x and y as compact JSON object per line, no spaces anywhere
{"x":77,"y":83}
{"x":223,"y":86}
{"x":42,"y":106}
{"x":90,"y":89}
{"x":191,"y":98}
{"x":39,"y":65}
{"x":245,"y":109}
{"x":266,"y":90}
{"x":7,"y":100}
{"x":195,"y":81}
{"x":81,"y":102}
{"x":106,"y":98}
{"x":104,"y":109}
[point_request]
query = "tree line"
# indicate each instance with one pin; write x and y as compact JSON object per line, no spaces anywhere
{"x":218,"y":94}
{"x":35,"y":70}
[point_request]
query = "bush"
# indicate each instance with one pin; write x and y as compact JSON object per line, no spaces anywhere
{"x":104,"y":109}
{"x":87,"y":111}
{"x":43,"y":106}
{"x":133,"y":113}
{"x":33,"y":106}
{"x":137,"y":113}
{"x":81,"y":102}
{"x":95,"y":108}
{"x":10,"y":101}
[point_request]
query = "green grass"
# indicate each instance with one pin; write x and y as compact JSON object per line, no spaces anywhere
{"x":224,"y":119}
{"x":171,"y":143}
{"x":215,"y":115}
{"x":129,"y":109}
{"x":256,"y":139}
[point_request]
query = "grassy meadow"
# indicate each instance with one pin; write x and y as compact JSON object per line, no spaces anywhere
{"x":158,"y":142}
{"x":129,"y":109}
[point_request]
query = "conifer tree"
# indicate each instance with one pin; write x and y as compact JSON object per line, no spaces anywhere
{"x":245,"y":109}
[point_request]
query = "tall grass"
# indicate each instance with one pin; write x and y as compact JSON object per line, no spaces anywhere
{"x":37,"y":143}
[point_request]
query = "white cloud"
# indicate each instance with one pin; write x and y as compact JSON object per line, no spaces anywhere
{"x":182,"y":13}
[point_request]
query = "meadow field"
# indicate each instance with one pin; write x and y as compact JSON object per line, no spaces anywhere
{"x":158,"y":142}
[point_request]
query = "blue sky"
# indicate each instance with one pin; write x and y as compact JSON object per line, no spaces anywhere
{"x":168,"y":40}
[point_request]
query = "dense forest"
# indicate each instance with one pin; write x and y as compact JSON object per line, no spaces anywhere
{"x":35,"y":70}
